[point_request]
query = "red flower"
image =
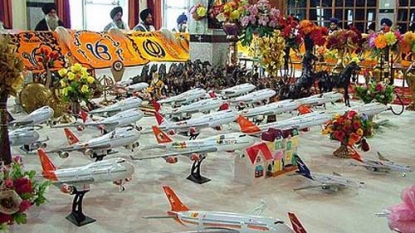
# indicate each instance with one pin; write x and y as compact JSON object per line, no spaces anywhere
{"x":5,"y":218}
{"x":24,"y":205}
{"x":23,"y":185}
{"x":351,"y":114}
{"x":8,"y":183}
{"x":365,"y":145}
{"x":356,"y":125}
{"x":347,"y":128}
{"x":379,"y":87}
{"x":339,"y":135}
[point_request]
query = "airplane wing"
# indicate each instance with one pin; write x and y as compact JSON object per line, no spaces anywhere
{"x":309,"y":187}
{"x":72,"y":148}
{"x":259,"y":209}
{"x":98,"y":111}
{"x":186,"y":153}
{"x":75,"y":183}
{"x":188,"y":126}
{"x":102,"y":123}
{"x":21,"y":122}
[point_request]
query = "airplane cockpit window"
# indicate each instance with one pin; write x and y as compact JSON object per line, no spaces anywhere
{"x":279,"y":222}
{"x":121,"y":161}
{"x":242,"y":135}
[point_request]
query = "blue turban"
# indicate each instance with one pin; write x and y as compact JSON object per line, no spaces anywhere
{"x":181,"y":18}
{"x":334,"y":20}
{"x":386,"y":21}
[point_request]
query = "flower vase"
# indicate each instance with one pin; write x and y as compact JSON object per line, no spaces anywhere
{"x":75,"y":107}
{"x":342,"y":152}
{"x":340,"y":62}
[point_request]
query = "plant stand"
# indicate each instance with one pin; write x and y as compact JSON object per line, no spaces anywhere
{"x":77,"y":217}
{"x":342,"y":152}
{"x":195,"y":172}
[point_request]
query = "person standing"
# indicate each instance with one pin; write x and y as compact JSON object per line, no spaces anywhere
{"x":117,"y":22}
{"x":334,"y":25}
{"x":51,"y":20}
{"x":385,"y":24}
{"x":182,"y":23}
{"x":146,"y":24}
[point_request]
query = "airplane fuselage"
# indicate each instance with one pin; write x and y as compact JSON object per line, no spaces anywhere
{"x":385,"y":166}
{"x":272,"y":108}
{"x":126,"y":104}
{"x":333,"y":180}
{"x":199,"y":106}
{"x":23,"y":136}
{"x":255,"y":96}
{"x":38,"y":116}
{"x":121,"y":137}
{"x":185,"y":97}
{"x":137,"y":87}
{"x":320,"y":99}
{"x":121,"y":119}
{"x":238,"y":90}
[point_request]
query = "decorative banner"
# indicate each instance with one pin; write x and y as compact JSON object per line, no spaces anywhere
{"x":98,"y":50}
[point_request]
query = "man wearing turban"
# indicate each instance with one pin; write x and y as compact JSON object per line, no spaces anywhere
{"x":51,"y":20}
{"x":334,"y":25}
{"x":385,"y":24}
{"x":146,"y":24}
{"x":116,"y":16}
{"x":182,"y":23}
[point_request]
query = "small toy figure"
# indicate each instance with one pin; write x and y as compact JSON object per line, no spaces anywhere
{"x":156,"y":87}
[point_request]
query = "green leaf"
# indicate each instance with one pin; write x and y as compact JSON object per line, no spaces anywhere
{"x":20,"y":218}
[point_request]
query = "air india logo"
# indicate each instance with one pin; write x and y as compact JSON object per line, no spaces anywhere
{"x":160,"y":137}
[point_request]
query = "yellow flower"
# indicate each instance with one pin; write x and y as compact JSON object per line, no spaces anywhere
{"x":76,"y":68}
{"x":63,"y":83}
{"x":71,"y":76}
{"x":201,"y":11}
{"x":337,"y":116}
{"x":359,"y":132}
{"x":62,"y":72}
{"x":65,"y":91}
{"x":235,"y":14}
{"x":84,"y":89}
{"x":390,"y":38}
{"x":90,"y":79}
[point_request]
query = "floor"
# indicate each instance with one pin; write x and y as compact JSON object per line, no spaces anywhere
{"x":347,"y":211}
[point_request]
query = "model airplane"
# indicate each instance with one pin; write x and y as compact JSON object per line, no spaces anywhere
{"x":382,"y":165}
{"x":101,"y":146}
{"x":192,"y":126}
{"x":200,"y":106}
{"x":136,"y":87}
{"x":226,"y":221}
{"x":270,"y":109}
{"x":71,"y":180}
{"x":36,"y":117}
{"x":194,"y":148}
{"x":28,"y":138}
{"x":237,"y":90}
{"x":185,"y":97}
{"x":125,"y":104}
{"x":327,"y":182}
{"x":254,"y":97}
{"x":297,"y":122}
{"x":329,"y":97}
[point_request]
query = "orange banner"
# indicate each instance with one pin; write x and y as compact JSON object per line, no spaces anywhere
{"x":98,"y":50}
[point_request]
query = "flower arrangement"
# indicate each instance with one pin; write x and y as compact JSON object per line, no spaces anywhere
{"x":382,"y":92}
{"x":312,"y":34}
{"x":377,"y":42}
{"x":259,"y":19}
{"x":408,"y":42}
{"x":18,"y":192}
{"x":401,"y":217}
{"x":76,"y":83}
{"x":292,"y":37}
{"x":46,"y":58}
{"x":344,"y":39}
{"x":198,"y":12}
{"x":231,"y":11}
{"x":272,"y":52}
{"x":349,"y":129}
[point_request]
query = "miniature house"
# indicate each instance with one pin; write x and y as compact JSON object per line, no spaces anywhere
{"x":271,"y":157}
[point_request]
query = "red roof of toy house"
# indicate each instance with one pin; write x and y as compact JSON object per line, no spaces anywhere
{"x":254,"y":150}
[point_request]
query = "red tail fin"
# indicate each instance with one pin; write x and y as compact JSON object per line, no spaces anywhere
{"x":175,"y":203}
{"x":247,"y":126}
{"x":160,"y":135}
{"x":224,"y":106}
{"x":356,"y":156}
{"x":156,"y":105}
{"x":159,"y":118}
{"x":212,"y":94}
{"x":70,"y":137}
{"x":297,"y":226}
{"x":303,"y":109}
{"x":47,"y":166}
{"x":84,"y":116}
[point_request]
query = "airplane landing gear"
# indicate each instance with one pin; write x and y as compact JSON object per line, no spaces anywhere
{"x":195,"y":172}
{"x":77,"y":217}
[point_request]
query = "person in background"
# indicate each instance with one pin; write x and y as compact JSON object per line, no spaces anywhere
{"x":181,"y":23}
{"x":146,"y":24}
{"x":51,"y":20}
{"x":385,"y":24}
{"x":334,"y":25}
{"x":116,"y":16}
{"x":371,"y":28}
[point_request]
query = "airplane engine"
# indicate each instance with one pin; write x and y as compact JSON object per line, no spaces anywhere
{"x":171,"y":159}
{"x":89,"y":152}
{"x":136,"y":144}
{"x":63,"y":154}
{"x":80,"y":128}
{"x":230,"y":151}
{"x":219,"y":127}
{"x":67,"y":189}
{"x":43,"y":145}
{"x":192,"y":131}
{"x":195,"y":157}
{"x":101,"y":127}
{"x":172,"y":132}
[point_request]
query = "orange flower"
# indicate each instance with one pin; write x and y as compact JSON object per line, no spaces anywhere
{"x":306,"y":26}
{"x":359,"y":131}
{"x":380,"y":41}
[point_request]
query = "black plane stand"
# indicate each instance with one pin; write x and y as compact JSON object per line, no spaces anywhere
{"x":77,"y":217}
{"x":195,"y":172}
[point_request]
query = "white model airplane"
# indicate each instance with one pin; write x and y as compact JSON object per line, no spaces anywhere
{"x":125,"y":104}
{"x":136,"y":87}
{"x":270,"y":109}
{"x":237,"y":90}
{"x":327,"y":182}
{"x":200,"y":106}
{"x":297,"y":122}
{"x":27,"y":137}
{"x":329,"y":97}
{"x":192,"y":126}
{"x":71,"y":180}
{"x":255,"y":97}
{"x":101,"y":146}
{"x":382,"y":165}
{"x":204,"y":221}
{"x":195,"y":148}
{"x":185,"y":97}
{"x":36,"y":117}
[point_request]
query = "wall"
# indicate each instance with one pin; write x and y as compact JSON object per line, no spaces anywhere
{"x":19,"y":14}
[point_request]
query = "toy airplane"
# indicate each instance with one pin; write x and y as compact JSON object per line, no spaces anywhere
{"x":297,"y":122}
{"x":237,"y":90}
{"x":125,"y":104}
{"x":27,"y":137}
{"x":254,"y":97}
{"x":185,"y":97}
{"x":36,"y":117}
{"x":326,"y":181}
{"x":382,"y":165}
{"x":101,"y":146}
{"x":329,"y":97}
{"x":136,"y":87}
{"x":193,"y":148}
{"x":270,"y":109}
{"x":75,"y":179}
{"x":207,"y":221}
{"x":192,"y":126}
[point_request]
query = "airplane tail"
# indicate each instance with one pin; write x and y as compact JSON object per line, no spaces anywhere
{"x":297,"y":226}
{"x":10,"y":118}
{"x":356,"y":156}
{"x":175,"y":203}
{"x":302,"y":168}
{"x":47,"y":166}
{"x":303,"y":109}
{"x":212,"y":94}
{"x":246,"y":125}
{"x":84,"y":116}
{"x":156,"y":105}
{"x":70,"y":137}
{"x":381,"y":157}
{"x":161,"y":136}
{"x":160,"y":119}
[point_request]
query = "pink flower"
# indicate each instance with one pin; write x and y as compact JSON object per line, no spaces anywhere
{"x":402,"y":216}
{"x":5,"y":218}
{"x":253,"y":10}
{"x":8,"y":183}
{"x":252,"y":19}
{"x":274,"y":13}
{"x":23,"y":185}
{"x":18,"y":159}
{"x":272,"y":23}
{"x":24,"y":205}
{"x":263,"y":21}
{"x":244,"y":21}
